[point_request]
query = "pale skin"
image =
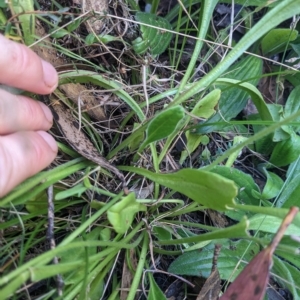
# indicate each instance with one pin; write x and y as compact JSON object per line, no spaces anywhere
{"x":25,"y":146}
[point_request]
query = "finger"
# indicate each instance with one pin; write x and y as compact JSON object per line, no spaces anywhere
{"x":22,"y":155}
{"x":20,"y":113}
{"x":22,"y":68}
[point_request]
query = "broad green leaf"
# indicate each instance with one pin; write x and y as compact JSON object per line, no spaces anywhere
{"x":163,"y":124}
{"x":290,"y":194}
{"x":155,"y":292}
{"x":206,"y":188}
{"x":243,"y":181}
{"x":197,"y":263}
{"x":235,"y":92}
{"x":275,"y":40}
{"x":121,"y":214}
{"x":270,"y":224}
{"x":285,"y":152}
{"x":255,"y":94}
{"x":205,"y":108}
{"x":273,"y":185}
{"x":154,"y":40}
{"x":292,"y":105}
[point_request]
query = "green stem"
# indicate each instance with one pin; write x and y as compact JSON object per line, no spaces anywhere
{"x":156,"y":168}
{"x":207,"y":8}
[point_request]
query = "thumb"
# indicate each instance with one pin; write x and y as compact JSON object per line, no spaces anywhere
{"x":23,"y":154}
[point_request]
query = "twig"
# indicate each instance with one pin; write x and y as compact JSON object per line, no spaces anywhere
{"x":50,"y":237}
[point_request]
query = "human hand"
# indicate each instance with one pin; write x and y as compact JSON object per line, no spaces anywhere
{"x":25,"y":147}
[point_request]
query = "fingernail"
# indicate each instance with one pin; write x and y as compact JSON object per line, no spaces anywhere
{"x":49,"y":140}
{"x":47,"y":112}
{"x":50,"y":75}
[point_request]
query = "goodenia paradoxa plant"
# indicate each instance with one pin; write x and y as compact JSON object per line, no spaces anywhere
{"x":121,"y":214}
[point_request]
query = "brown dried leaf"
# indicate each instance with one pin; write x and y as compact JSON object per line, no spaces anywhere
{"x":72,"y":90}
{"x":69,"y":127}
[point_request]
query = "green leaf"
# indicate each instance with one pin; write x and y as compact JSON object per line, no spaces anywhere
{"x":282,"y":133}
{"x":285,"y":152}
{"x":275,"y":40}
{"x":270,"y":224}
{"x":205,"y":108}
{"x":231,"y":260}
{"x":273,"y":185}
{"x":122,"y":213}
{"x":161,"y":233}
{"x":59,"y":33}
{"x":288,"y":249}
{"x":27,"y":20}
{"x":290,"y":194}
{"x":243,"y":181}
{"x":289,"y":274}
{"x":135,"y":142}
{"x":78,"y":190}
{"x":155,"y":292}
{"x":77,"y":254}
{"x":235,"y":93}
{"x":206,"y":188}
{"x":163,"y":124}
{"x":156,"y":40}
{"x":91,"y":39}
{"x":292,"y":105}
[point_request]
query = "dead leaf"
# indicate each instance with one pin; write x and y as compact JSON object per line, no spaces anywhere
{"x":79,"y":141}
